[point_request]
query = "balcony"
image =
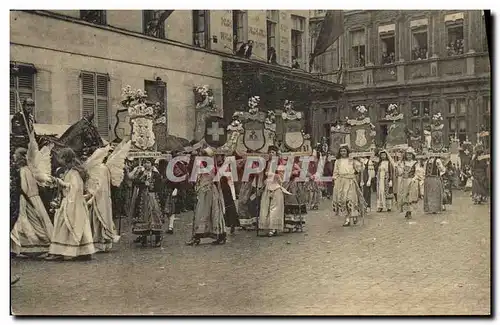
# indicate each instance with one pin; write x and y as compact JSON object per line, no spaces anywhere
{"x":482,"y":64}
{"x":454,"y":66}
{"x":385,"y":73}
{"x":418,"y":70}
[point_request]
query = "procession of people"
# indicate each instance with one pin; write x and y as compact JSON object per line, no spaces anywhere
{"x":99,"y":184}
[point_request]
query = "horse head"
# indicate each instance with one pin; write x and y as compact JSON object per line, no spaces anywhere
{"x":81,"y":136}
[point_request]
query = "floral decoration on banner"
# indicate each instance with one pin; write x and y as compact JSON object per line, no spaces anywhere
{"x":437,"y":117}
{"x":253,"y":103}
{"x":204,"y":97}
{"x":361,"y":109}
{"x":392,"y":113}
{"x":289,"y":113}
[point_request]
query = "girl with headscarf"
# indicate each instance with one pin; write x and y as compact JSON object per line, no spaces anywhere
{"x":72,"y":236}
{"x":408,"y":188}
{"x":209,"y":212}
{"x":348,"y":199}
{"x":145,"y":206}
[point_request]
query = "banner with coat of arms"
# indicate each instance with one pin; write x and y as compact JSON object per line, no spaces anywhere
{"x":293,"y":136}
{"x":215,"y":131}
{"x":254,"y":138}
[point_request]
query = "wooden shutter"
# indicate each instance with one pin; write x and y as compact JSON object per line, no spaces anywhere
{"x":24,"y":84}
{"x":88,"y":94}
{"x":12,"y":95}
{"x":102,"y":116}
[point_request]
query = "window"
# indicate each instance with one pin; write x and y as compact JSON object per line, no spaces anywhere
{"x":95,"y":100}
{"x":272,"y":22}
{"x":152,"y":25}
{"x":239,"y":23}
{"x":22,"y":81}
{"x":200,"y":28}
{"x":388,"y":47}
{"x":420,"y":116}
{"x":298,"y":24}
{"x":94,"y":16}
{"x":357,"y":57}
{"x":457,"y":118}
{"x":486,"y":113}
{"x":455,"y":31}
{"x":419,"y":44}
{"x":484,"y":33}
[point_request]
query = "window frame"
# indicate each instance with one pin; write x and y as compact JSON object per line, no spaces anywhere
{"x":419,"y":30}
{"x":299,"y":31}
{"x":243,"y":21}
{"x":457,"y":116}
{"x":146,"y":20}
{"x":206,"y":28}
{"x":96,"y":98}
{"x":454,"y":24}
{"x":272,"y":22}
{"x":16,"y":88}
{"x":352,"y":64}
{"x":421,"y":119}
{"x":381,"y":37}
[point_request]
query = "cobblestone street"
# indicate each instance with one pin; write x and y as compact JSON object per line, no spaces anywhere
{"x":431,"y":265}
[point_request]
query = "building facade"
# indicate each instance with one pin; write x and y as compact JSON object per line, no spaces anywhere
{"x":76,"y":62}
{"x":424,"y":61}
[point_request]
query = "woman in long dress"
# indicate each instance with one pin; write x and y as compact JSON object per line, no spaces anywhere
{"x":385,"y":172}
{"x":229,"y":194}
{"x":209,"y":211}
{"x":272,"y":206}
{"x":33,"y":229}
{"x":479,"y":168}
{"x":145,"y":206}
{"x":72,"y":236}
{"x":408,"y":188}
{"x":433,"y":185}
{"x":248,"y":198}
{"x":296,"y":203}
{"x":348,"y":201}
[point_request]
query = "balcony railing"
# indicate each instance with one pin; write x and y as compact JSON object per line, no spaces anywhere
{"x":417,"y":70}
{"x":455,"y":66}
{"x":384,"y":74}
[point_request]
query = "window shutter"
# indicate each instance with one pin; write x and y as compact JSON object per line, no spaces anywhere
{"x":102,"y":105}
{"x":88,"y":94}
{"x":12,"y":109}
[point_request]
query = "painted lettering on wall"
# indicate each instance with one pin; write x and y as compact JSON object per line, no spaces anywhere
{"x":226,"y":22}
{"x":256,"y":32}
{"x":285,"y":56}
{"x":228,"y":37}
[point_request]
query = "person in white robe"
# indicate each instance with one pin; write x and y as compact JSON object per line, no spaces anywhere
{"x":348,"y":199}
{"x":105,"y":169}
{"x":33,"y":229}
{"x":385,"y":171}
{"x":72,"y":236}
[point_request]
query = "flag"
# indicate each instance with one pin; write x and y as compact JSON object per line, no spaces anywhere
{"x":332,"y":28}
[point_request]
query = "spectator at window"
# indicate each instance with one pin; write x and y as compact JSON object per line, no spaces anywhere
{"x":388,"y":58}
{"x":271,"y":55}
{"x":419,"y":53}
{"x":245,"y":50}
{"x":360,"y":61}
{"x":295,"y":63}
{"x":455,"y":47}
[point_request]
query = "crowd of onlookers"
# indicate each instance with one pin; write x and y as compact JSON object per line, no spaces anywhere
{"x":388,"y":58}
{"x":455,"y":47}
{"x":420,"y":53}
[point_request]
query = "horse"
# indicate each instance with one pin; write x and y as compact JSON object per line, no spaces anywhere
{"x":82,"y":137}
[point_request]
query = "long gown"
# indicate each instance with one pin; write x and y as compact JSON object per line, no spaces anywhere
{"x":348,"y":199}
{"x":230,"y":215}
{"x":408,"y":187}
{"x":72,"y":234}
{"x":480,"y":183}
{"x":384,"y":191}
{"x":101,"y":213}
{"x":33,"y":229}
{"x":433,"y":186}
{"x":145,"y":206}
{"x":209,"y":210}
{"x":296,"y":203}
{"x":272,"y":207}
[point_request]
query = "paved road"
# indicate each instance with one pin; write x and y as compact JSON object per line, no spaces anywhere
{"x":432,"y":265}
